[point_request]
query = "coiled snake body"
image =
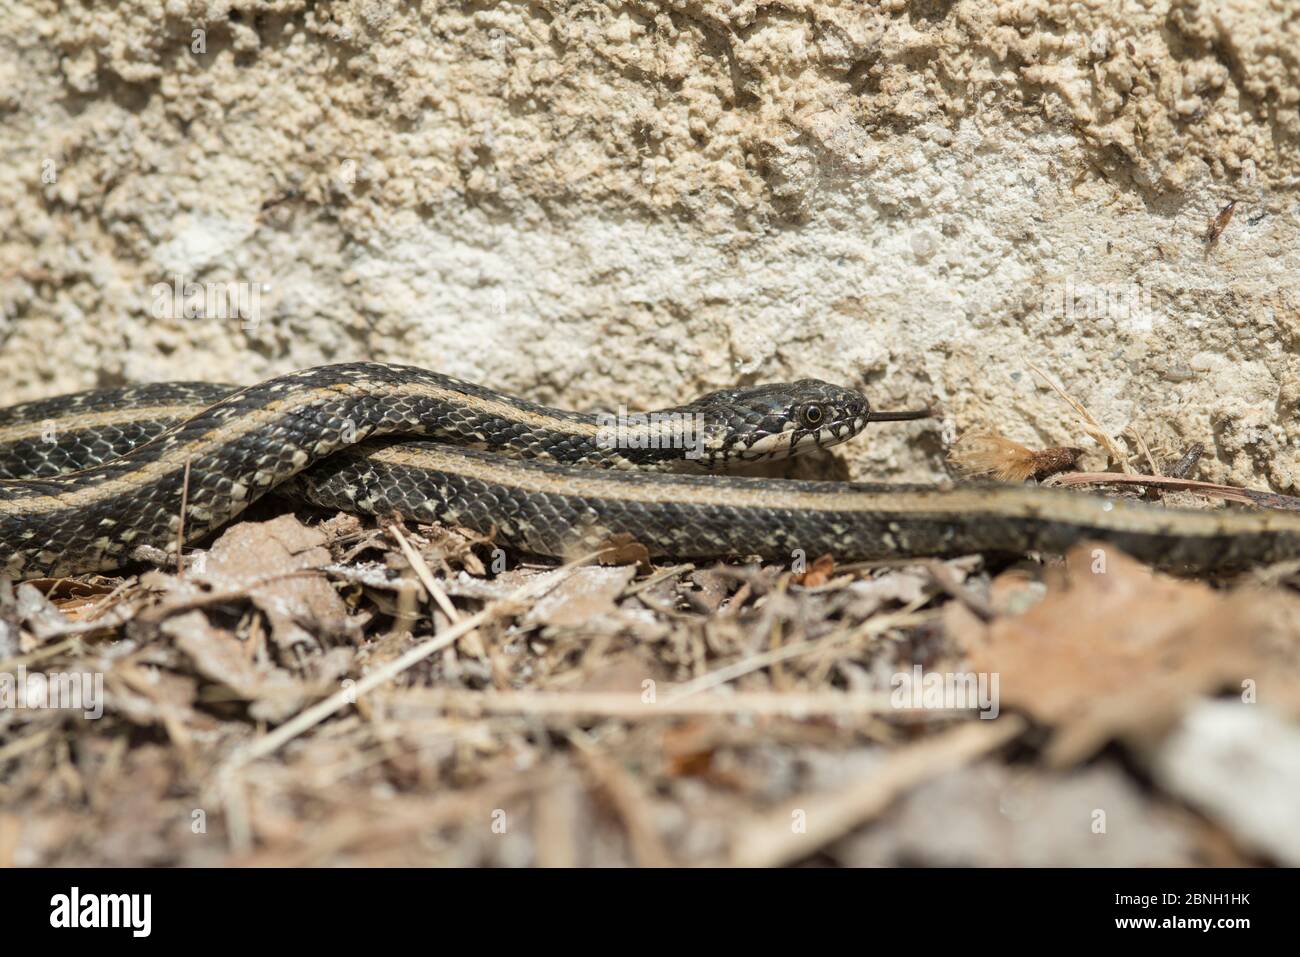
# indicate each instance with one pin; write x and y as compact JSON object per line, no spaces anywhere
{"x":544,"y":481}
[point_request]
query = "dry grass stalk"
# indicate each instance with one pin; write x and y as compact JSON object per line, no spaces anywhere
{"x":1090,"y":424}
{"x":772,"y":841}
{"x":632,"y":706}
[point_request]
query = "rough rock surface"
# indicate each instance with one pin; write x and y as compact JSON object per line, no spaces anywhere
{"x":595,"y":203}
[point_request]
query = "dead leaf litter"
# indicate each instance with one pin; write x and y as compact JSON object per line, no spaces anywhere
{"x":327,"y":692}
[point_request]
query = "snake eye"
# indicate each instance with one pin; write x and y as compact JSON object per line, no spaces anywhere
{"x":813,"y":415}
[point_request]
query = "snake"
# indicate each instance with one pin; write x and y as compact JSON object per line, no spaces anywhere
{"x":93,"y":481}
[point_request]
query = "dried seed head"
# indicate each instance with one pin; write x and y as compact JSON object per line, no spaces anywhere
{"x":986,"y":452}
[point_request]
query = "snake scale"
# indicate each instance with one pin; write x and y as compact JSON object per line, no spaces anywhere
{"x":87,"y":480}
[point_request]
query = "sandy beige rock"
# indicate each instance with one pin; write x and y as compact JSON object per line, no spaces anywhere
{"x":600,"y":204}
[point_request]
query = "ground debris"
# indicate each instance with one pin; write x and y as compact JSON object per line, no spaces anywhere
{"x":1116,"y":650}
{"x":348,"y":692}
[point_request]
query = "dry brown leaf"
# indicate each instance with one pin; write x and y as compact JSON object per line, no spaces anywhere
{"x":713,"y":588}
{"x":500,"y":586}
{"x":1015,"y":590}
{"x":150,"y":696}
{"x":223,"y":658}
{"x":903,"y":586}
{"x":623,"y":549}
{"x":819,"y":572}
{"x":36,"y":614}
{"x":1121,"y":651}
{"x":451,"y":547}
{"x":627,"y":673}
{"x":299,"y":608}
{"x":586,"y":594}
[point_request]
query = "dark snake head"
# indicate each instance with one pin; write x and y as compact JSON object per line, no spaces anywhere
{"x":779,"y":420}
